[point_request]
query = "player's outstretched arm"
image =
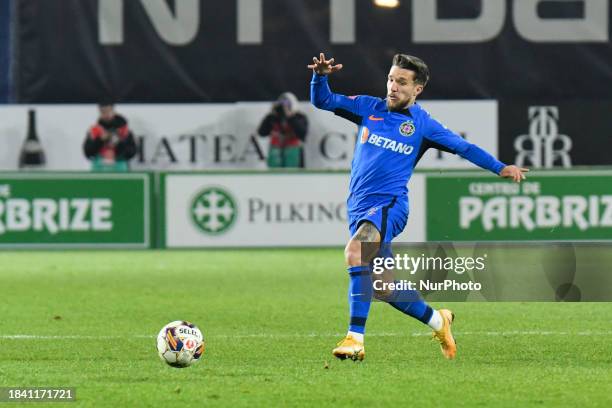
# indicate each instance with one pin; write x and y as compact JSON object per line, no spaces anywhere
{"x":322,"y":97}
{"x":321,"y":66}
{"x":438,"y":133}
{"x":516,"y":173}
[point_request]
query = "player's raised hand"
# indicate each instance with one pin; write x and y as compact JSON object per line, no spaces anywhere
{"x":324,"y":67}
{"x":517,"y":174}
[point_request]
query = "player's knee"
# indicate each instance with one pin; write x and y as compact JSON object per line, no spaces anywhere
{"x":352,"y":253}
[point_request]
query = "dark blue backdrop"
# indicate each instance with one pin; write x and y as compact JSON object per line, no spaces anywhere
{"x":60,"y":58}
{"x":5,"y":29}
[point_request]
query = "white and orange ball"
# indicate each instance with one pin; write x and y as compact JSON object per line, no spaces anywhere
{"x":180,"y":344}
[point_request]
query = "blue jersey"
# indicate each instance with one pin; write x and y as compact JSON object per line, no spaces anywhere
{"x":389,"y":144}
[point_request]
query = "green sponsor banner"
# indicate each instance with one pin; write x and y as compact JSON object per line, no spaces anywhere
{"x":74,"y":210}
{"x":553,"y":206}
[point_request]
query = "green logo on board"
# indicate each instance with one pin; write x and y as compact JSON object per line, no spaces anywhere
{"x":213,"y":210}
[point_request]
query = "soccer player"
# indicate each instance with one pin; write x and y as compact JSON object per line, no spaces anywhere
{"x":393,"y":134}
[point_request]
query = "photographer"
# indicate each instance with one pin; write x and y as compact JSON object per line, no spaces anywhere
{"x":287,"y":130}
{"x":109,"y":143}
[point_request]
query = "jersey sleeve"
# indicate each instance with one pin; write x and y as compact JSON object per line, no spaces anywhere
{"x":439,"y":134}
{"x":353,"y":108}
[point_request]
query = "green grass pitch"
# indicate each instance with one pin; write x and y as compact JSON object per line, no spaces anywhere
{"x":270,"y":319}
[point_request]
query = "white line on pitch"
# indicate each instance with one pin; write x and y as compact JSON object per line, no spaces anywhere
{"x":312,"y":335}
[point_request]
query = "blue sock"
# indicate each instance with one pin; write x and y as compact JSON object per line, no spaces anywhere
{"x":411,"y":303}
{"x":407,"y":301}
{"x":359,"y":297}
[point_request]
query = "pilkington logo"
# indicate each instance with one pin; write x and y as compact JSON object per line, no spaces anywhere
{"x":213,"y":210}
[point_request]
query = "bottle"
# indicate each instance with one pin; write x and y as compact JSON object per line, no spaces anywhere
{"x":32,"y":154}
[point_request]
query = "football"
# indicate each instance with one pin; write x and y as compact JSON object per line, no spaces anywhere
{"x":180,"y":344}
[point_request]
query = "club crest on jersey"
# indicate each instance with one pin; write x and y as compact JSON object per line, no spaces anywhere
{"x":407,"y":128}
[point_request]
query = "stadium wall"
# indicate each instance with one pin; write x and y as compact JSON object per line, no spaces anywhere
{"x":221,"y":136}
{"x":175,"y":137}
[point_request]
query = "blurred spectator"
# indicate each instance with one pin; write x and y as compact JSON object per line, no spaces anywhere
{"x":287,"y":129}
{"x":109,"y":143}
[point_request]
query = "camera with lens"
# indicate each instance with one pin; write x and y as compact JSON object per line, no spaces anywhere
{"x":279,"y":110}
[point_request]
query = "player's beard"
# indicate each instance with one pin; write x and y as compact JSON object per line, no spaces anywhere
{"x":397,"y":105}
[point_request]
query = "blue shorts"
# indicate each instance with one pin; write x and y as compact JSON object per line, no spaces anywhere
{"x":389,"y":215}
